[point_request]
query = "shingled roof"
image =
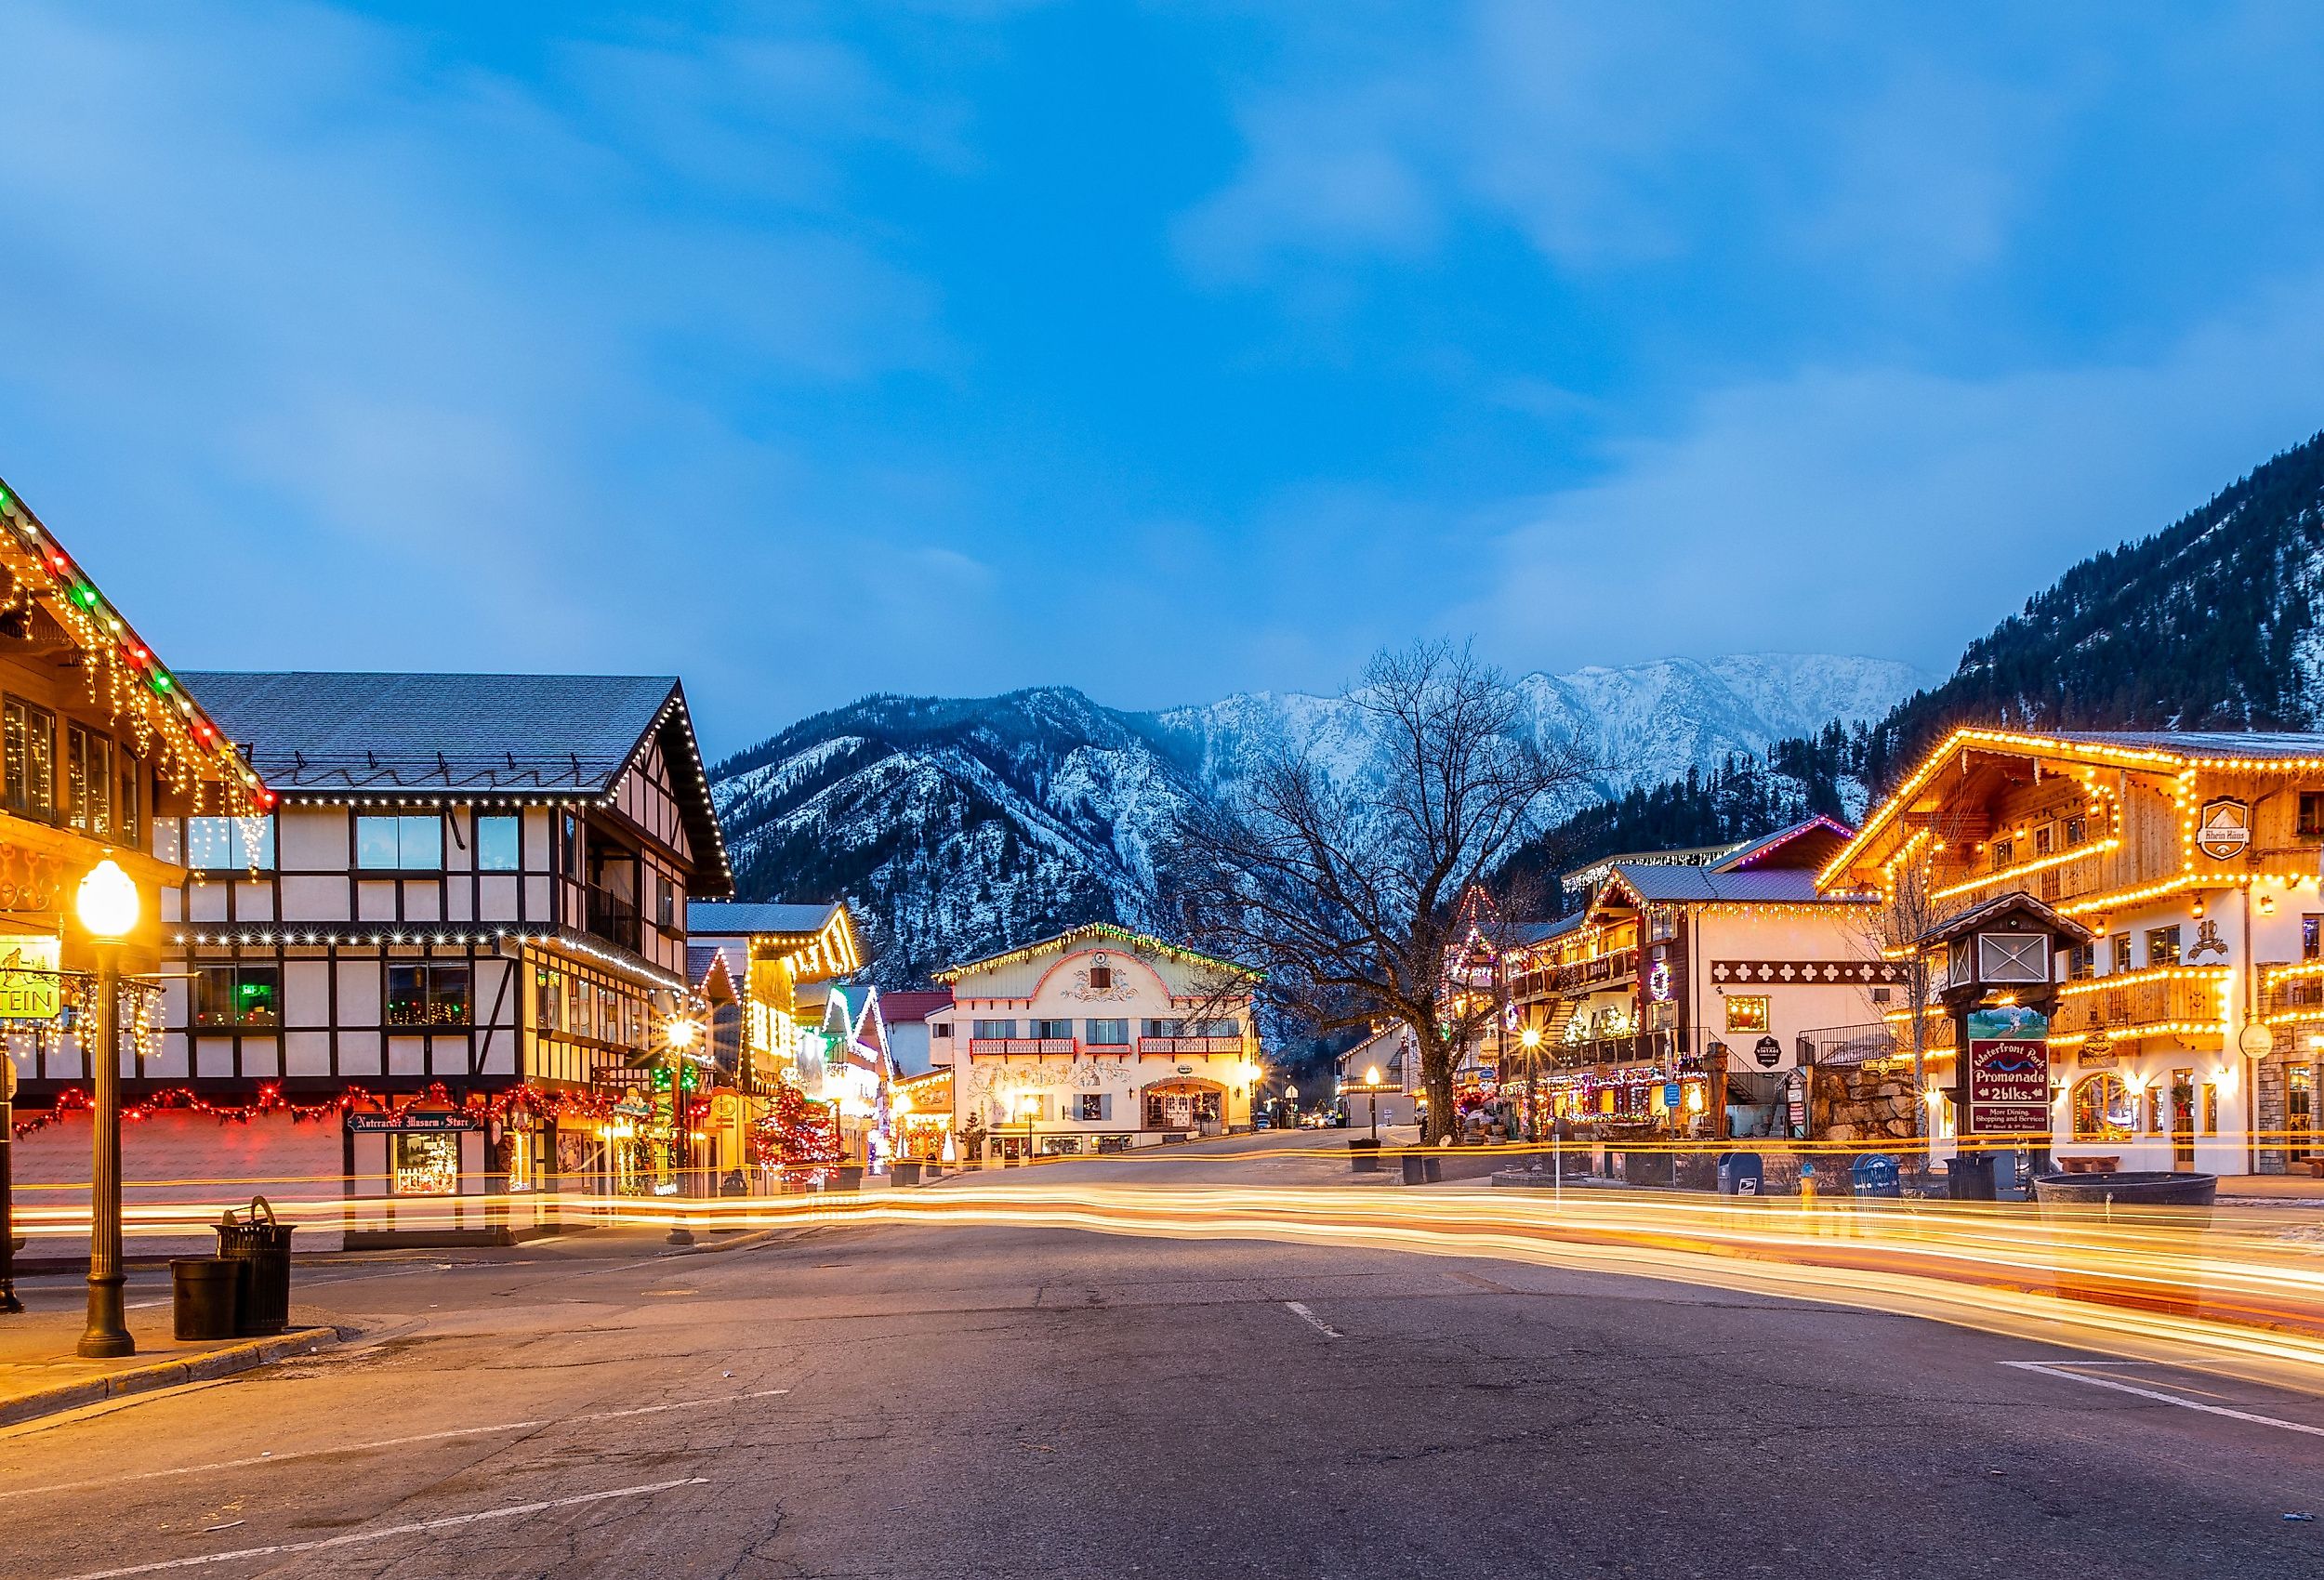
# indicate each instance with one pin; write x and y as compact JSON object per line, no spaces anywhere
{"x":543,"y":737}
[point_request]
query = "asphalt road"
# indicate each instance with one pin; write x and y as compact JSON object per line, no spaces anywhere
{"x":968,"y":1402}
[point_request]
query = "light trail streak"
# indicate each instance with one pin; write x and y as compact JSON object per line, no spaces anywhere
{"x":2225,"y":1291}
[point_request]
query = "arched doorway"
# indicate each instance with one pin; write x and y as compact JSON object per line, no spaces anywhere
{"x":1183,"y":1104}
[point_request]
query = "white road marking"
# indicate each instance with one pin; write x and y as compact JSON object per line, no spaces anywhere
{"x":2050,"y":1370}
{"x":289,"y":1454}
{"x":1298,"y":1310}
{"x":355,"y":1538}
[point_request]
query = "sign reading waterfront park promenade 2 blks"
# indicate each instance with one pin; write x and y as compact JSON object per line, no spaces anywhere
{"x":2009,"y":1071}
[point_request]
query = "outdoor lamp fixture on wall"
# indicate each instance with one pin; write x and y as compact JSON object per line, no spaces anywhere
{"x":108,"y":907}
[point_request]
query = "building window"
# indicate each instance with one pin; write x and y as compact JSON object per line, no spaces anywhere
{"x":29,"y":759}
{"x":2076,"y":830}
{"x":426,"y":1164}
{"x":548,"y":1005}
{"x":994,"y":1031}
{"x":2045,"y":838}
{"x":224,"y":844}
{"x":88,"y":780}
{"x":1101,"y":977}
{"x":1218,"y":1028}
{"x":583,"y":1003}
{"x":429,"y":994}
{"x":1059,"y":1030}
{"x":2003,"y":850}
{"x":1094,"y":1106}
{"x":2312,"y":937}
{"x":2081,"y":962}
{"x":2121,"y":952}
{"x":1109,"y":1033}
{"x":2162,"y":945}
{"x":2103,"y":1110}
{"x":1164,"y":1029}
{"x":244,"y":998}
{"x":1746,"y":1012}
{"x":664,"y":902}
{"x":500,"y":843}
{"x":412,"y":843}
{"x":569,"y":846}
{"x":130,"y":808}
{"x":2312,"y":814}
{"x":941,"y":1029}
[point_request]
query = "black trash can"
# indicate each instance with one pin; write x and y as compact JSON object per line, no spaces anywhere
{"x":1415,"y":1167}
{"x":904,"y":1171}
{"x":263,"y":1244}
{"x":1434,"y":1167}
{"x":204,"y":1297}
{"x":851,"y":1176}
{"x":1363,"y":1154}
{"x":1970,"y":1177}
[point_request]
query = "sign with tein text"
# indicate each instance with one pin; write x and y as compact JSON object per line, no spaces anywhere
{"x":28,"y":978}
{"x":2008,"y":1073}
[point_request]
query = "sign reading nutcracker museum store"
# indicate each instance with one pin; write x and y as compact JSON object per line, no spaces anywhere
{"x":2009,"y":1071}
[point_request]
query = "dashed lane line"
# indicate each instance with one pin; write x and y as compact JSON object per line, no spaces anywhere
{"x":1299,"y":1308}
{"x":418,"y":1527}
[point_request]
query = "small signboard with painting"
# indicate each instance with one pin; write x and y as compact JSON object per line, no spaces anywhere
{"x":2009,"y":1071}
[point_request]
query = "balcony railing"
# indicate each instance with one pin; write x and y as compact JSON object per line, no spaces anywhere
{"x":1618,"y":965}
{"x":996,"y":1047}
{"x":1644,"y":1048}
{"x":1204,"y":1045}
{"x":2159,"y":1001}
{"x":611,"y":918}
{"x":2292,"y":997}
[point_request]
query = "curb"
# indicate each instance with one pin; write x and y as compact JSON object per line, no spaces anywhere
{"x":220,"y":1362}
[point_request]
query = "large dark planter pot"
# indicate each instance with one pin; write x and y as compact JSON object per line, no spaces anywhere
{"x":1363,"y":1154}
{"x":2127,"y":1188}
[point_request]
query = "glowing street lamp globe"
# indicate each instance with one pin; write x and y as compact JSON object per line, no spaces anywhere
{"x":108,"y":900}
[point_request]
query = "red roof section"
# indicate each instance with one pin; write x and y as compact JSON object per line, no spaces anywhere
{"x":898,"y":1008}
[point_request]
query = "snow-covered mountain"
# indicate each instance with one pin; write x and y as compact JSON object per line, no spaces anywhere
{"x":957,"y":826}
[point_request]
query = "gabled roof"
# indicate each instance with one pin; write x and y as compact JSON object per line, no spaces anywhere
{"x":1112,"y":932}
{"x":1803,"y":842}
{"x":721,"y":918}
{"x":703,"y":959}
{"x":2156,"y":750}
{"x":486,"y":737}
{"x":1781,"y":886}
{"x":1983,"y":914}
{"x":57,"y":599}
{"x":904,"y":1008}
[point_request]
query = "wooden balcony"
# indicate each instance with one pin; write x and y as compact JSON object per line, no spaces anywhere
{"x":1027,"y":1047}
{"x":2290,"y":999}
{"x":1605,"y":971}
{"x":1201,"y":1048}
{"x":1644,"y":1048}
{"x":2088,"y":1009}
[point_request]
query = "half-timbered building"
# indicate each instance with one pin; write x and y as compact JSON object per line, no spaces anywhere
{"x":472,"y":891}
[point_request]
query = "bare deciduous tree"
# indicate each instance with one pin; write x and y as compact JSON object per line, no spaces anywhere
{"x":1908,"y":910}
{"x":1343,"y":896}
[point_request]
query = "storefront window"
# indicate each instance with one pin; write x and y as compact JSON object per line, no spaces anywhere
{"x":30,"y":759}
{"x":2103,"y":1110}
{"x":1746,"y":1012}
{"x":425,"y":1164}
{"x":498,"y":846}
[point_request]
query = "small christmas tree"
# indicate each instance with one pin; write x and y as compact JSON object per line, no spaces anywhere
{"x":799,"y":1137}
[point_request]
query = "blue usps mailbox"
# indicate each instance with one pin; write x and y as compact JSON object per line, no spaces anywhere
{"x":1876,"y":1176}
{"x":1740,"y":1174}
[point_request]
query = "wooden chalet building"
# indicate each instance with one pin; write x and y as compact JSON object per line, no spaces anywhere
{"x":2188,"y":1032}
{"x":459,"y":939}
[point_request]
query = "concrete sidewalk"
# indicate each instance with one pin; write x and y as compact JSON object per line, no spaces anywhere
{"x":41,"y":1376}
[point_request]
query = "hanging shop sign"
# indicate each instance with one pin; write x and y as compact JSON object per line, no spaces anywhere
{"x":412,"y":1122}
{"x":2008,"y":1071}
{"x":2224,"y":831}
{"x":28,"y":980}
{"x":1768,"y":1051}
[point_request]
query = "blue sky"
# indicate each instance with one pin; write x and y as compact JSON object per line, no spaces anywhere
{"x":1163,"y":350}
